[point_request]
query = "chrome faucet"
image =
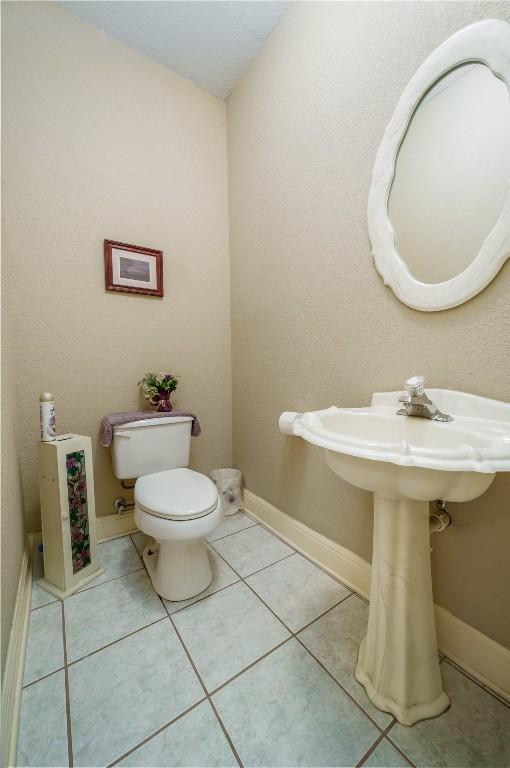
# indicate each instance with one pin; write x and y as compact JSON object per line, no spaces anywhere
{"x":417,"y":403}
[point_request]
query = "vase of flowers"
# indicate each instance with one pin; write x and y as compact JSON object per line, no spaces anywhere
{"x":157,"y":389}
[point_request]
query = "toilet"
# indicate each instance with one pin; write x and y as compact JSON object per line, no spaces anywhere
{"x":174,"y":505}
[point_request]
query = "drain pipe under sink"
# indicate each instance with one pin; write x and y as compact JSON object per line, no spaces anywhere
{"x":440,"y":519}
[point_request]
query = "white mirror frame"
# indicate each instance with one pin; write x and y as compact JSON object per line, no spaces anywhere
{"x":486,"y":42}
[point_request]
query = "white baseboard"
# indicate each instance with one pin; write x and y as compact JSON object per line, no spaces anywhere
{"x":113,"y":526}
{"x":340,"y":562}
{"x":15,"y":660}
{"x":477,"y":654}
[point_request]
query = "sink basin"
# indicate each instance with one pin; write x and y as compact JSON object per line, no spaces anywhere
{"x":407,"y":462}
{"x":407,"y":457}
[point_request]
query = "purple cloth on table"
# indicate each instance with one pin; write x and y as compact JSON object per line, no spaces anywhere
{"x":116,"y":419}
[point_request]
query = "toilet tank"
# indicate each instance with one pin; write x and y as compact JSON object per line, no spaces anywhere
{"x":151,"y":445}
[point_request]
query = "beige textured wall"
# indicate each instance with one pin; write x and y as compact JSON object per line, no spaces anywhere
{"x":11,"y":501}
{"x":100,"y":141}
{"x":313,"y":324}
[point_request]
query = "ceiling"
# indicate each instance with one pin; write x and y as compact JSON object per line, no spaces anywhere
{"x":209,"y":42}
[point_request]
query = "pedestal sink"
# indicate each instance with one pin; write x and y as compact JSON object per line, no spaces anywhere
{"x":407,"y":462}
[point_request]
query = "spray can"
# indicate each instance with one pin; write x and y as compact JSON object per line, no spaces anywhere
{"x":47,"y":411}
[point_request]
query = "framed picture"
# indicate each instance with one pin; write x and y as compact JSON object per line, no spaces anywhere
{"x":133,"y":269}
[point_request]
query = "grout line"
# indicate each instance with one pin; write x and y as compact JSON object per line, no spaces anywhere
{"x":349,"y":695}
{"x":44,"y":677}
{"x":66,"y":678}
{"x":294,"y":634}
{"x":107,"y":581}
{"x":210,"y":544}
{"x":188,"y":654}
{"x":108,"y":645}
{"x":233,"y":533}
{"x":443,"y":657}
{"x":313,"y":562}
{"x":140,"y":556}
{"x":243,"y":579}
{"x":156,"y":733}
{"x":137,"y":552}
{"x":239,"y":578}
{"x":87,"y":589}
{"x":384,"y":733}
{"x":91,"y":585}
{"x":206,"y":697}
{"x":320,"y":616}
{"x":249,"y":666}
{"x":254,"y":572}
{"x":205,"y":597}
{"x":38,"y":607}
{"x":68,"y":697}
{"x":207,"y":694}
{"x":226,"y":733}
{"x":370,"y":751}
{"x":394,"y":722}
{"x":481,"y":685}
{"x":285,"y":557}
{"x":395,"y":746}
{"x":199,"y":677}
{"x":376,"y":743}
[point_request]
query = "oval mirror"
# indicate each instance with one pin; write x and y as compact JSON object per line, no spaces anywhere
{"x":452,"y":173}
{"x":439,"y":207}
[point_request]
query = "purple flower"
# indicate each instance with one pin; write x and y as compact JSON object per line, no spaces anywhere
{"x":71,"y":463}
{"x":77,"y":535}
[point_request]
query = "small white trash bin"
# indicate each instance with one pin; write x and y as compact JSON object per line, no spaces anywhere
{"x":228,"y":482}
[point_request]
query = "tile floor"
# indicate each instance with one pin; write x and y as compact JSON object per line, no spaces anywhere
{"x":256,"y":671}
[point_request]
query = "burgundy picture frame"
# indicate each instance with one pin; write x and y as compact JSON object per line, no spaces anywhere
{"x":134,"y":249}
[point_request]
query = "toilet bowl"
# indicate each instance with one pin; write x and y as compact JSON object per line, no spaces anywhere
{"x":174,"y":505}
{"x":178,"y":508}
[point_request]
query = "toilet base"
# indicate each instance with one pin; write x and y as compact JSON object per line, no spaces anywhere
{"x":178,"y":569}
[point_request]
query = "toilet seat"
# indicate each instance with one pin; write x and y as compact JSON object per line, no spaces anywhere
{"x":176,"y":494}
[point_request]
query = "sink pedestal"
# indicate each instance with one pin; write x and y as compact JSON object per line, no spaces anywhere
{"x":398,"y":663}
{"x":399,"y":458}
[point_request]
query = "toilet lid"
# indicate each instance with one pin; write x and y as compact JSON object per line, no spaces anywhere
{"x":177,"y":494}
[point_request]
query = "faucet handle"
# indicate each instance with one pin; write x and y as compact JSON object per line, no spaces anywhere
{"x":415,"y":386}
